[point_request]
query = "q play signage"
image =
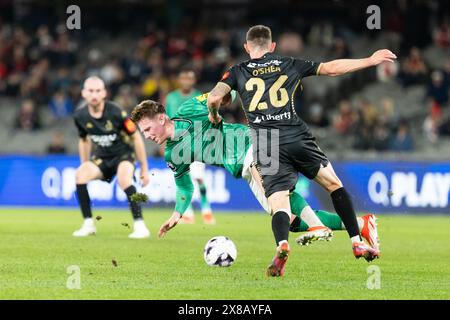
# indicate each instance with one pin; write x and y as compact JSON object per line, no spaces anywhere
{"x":392,"y":187}
{"x":406,"y":187}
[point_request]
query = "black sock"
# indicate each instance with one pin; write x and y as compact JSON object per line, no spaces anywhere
{"x":202,"y":189}
{"x":280,"y":226}
{"x":84,"y":200}
{"x":295,"y":225}
{"x":344,"y":208}
{"x":135,"y":207}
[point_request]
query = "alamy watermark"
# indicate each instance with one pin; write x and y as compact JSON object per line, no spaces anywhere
{"x":74,"y":279}
{"x":220,"y":147}
{"x":374,"y":279}
{"x":74,"y":20}
{"x":374,"y":20}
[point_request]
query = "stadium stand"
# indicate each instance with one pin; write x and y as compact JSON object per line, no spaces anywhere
{"x":140,"y":62}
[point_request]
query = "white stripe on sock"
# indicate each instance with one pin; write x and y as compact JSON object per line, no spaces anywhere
{"x":310,"y":218}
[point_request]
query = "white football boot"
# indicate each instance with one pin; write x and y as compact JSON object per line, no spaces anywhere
{"x":313,"y":234}
{"x":140,"y":230}
{"x":87,"y":229}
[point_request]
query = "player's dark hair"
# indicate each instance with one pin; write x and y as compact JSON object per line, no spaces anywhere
{"x":187,"y":68}
{"x":260,"y":35}
{"x":147,"y":108}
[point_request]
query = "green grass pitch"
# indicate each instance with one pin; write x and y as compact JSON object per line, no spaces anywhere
{"x":37,"y":248}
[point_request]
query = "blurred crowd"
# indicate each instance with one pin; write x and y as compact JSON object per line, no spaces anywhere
{"x":45,"y":68}
{"x":379,"y":126}
{"x":373,"y":127}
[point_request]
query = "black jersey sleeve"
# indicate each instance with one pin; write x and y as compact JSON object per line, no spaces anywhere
{"x":82,"y":133}
{"x":306,"y":68}
{"x":128,"y":125}
{"x":229,"y":78}
{"x":122,"y":120}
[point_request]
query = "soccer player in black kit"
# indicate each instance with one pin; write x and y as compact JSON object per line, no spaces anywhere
{"x":268,"y":84}
{"x":103,"y":125}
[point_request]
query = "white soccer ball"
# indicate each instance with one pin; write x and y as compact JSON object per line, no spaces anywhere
{"x":220,"y":251}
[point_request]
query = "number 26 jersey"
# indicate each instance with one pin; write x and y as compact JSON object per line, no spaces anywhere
{"x":268,"y":87}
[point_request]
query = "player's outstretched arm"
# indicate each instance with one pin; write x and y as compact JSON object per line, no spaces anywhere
{"x":343,"y":66}
{"x":169,"y":224}
{"x":141,"y":155}
{"x":184,"y":192}
{"x":84,"y":148}
{"x":215,"y":99}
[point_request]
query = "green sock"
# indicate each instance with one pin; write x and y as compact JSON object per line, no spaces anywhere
{"x":298,"y":203}
{"x":331,"y":220}
{"x":204,"y":203}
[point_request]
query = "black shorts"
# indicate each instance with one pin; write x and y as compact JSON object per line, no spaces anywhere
{"x":303,"y":155}
{"x":108,"y":165}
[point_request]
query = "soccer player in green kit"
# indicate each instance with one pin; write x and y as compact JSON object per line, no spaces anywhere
{"x":189,"y":136}
{"x":186,"y":91}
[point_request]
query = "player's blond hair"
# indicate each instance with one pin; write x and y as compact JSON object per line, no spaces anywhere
{"x":147,"y":108}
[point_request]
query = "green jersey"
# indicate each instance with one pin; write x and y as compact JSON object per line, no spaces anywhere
{"x":224,"y":145}
{"x":197,"y":139}
{"x":175,"y":99}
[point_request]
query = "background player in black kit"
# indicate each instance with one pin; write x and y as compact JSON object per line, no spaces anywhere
{"x":267,"y":84}
{"x":104,"y":126}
